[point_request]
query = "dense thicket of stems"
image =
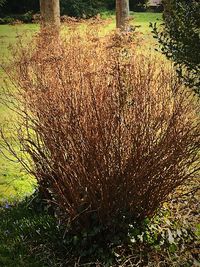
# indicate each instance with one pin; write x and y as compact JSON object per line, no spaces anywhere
{"x":104,"y":129}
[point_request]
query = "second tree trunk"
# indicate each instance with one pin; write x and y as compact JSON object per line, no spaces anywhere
{"x":122,"y":14}
{"x":50,"y":13}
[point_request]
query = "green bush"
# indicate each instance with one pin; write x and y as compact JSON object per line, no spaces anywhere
{"x":7,"y":20}
{"x":138,"y":5}
{"x":25,"y":18}
{"x":2,"y":2}
{"x":80,"y":8}
{"x":13,"y":6}
{"x":180,"y":39}
{"x":135,"y":5}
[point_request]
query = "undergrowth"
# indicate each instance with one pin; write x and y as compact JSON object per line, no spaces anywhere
{"x":31,"y":236}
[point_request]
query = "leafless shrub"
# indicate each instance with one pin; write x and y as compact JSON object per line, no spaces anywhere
{"x":103,"y":128}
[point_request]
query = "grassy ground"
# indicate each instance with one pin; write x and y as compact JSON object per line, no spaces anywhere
{"x":13,"y":182}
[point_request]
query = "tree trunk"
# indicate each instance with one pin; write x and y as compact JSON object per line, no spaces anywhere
{"x":122,"y":14}
{"x":50,"y":13}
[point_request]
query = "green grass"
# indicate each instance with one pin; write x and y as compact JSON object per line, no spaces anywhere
{"x":138,"y":19}
{"x":14,"y":183}
{"x":22,"y":229}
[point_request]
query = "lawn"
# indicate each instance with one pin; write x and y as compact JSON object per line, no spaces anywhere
{"x":14,"y":183}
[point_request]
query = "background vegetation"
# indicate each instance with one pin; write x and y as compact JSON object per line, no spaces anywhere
{"x":180,"y":39}
{"x":80,"y":8}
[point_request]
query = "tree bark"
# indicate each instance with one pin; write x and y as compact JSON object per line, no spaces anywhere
{"x":122,"y":14}
{"x":50,"y":13}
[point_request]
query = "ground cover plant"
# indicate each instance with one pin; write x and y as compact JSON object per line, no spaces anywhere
{"x":30,"y":236}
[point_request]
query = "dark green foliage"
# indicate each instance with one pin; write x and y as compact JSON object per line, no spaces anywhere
{"x":2,"y":2}
{"x":25,"y":18}
{"x":30,"y":236}
{"x":88,"y":8}
{"x":135,"y":5}
{"x":81,"y":8}
{"x":13,"y":6}
{"x":138,"y":5}
{"x":25,"y":233}
{"x":6,"y":20}
{"x":180,"y":39}
{"x":76,"y":8}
